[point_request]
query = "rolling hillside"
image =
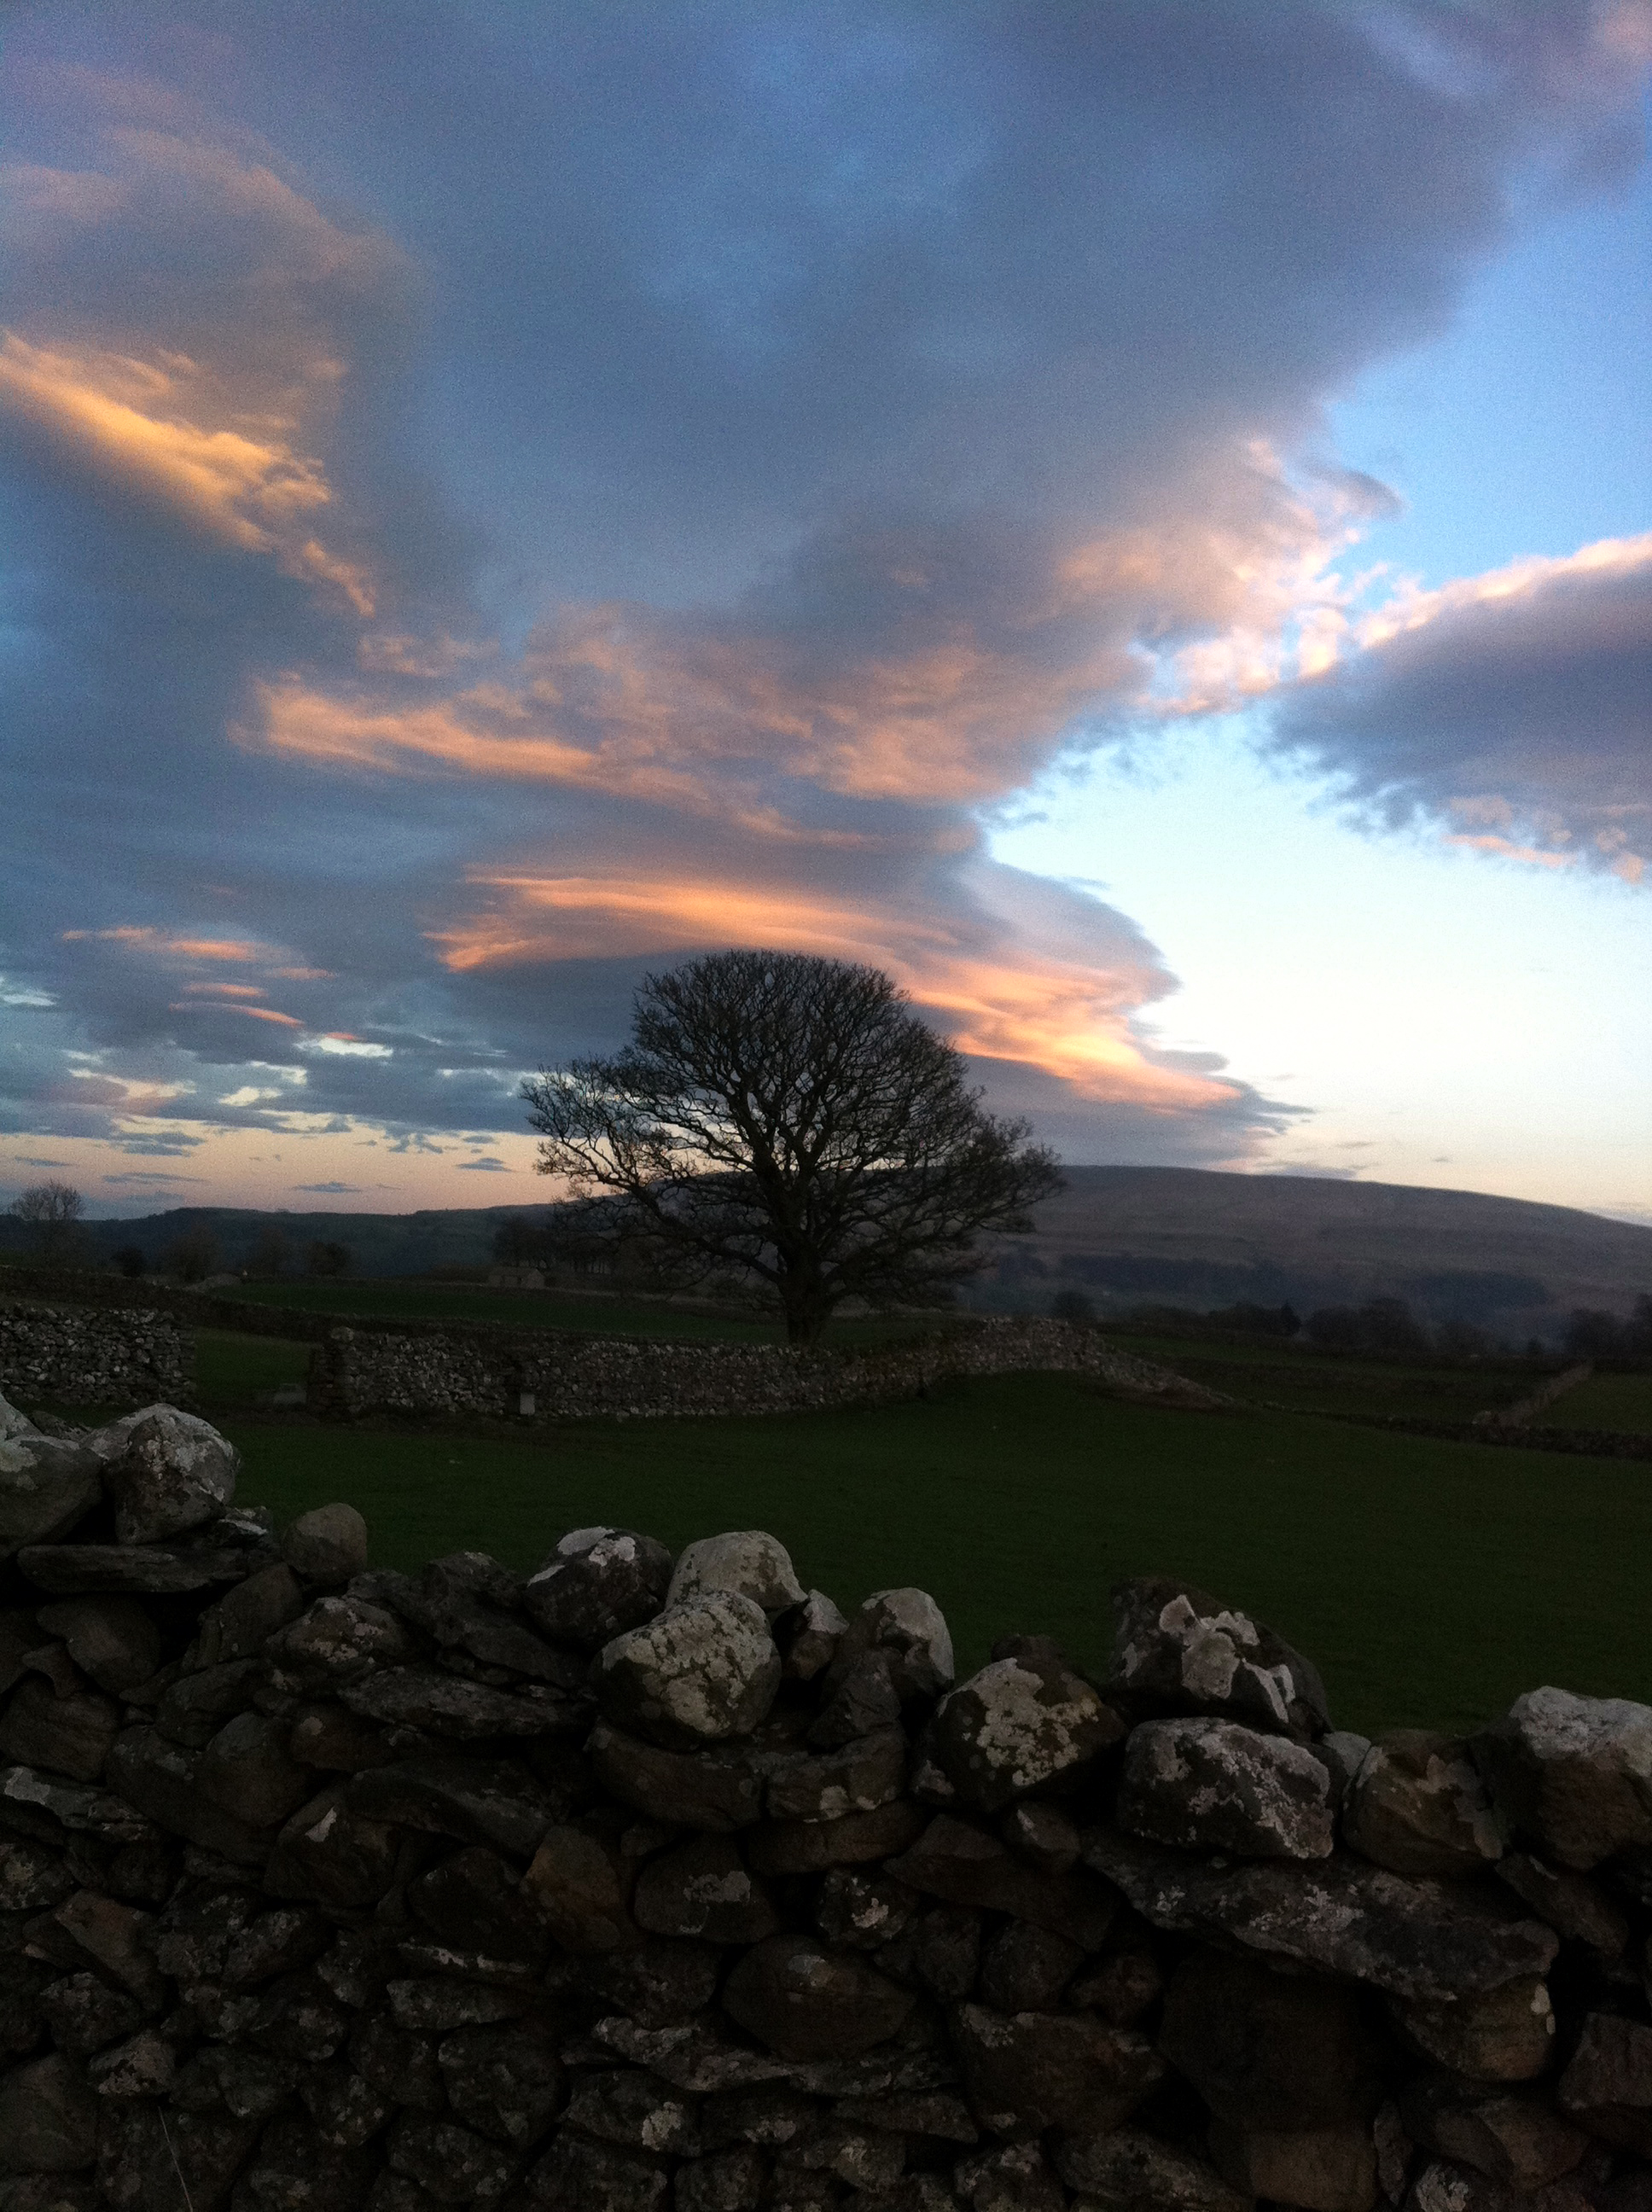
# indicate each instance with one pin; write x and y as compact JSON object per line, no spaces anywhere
{"x":1175,"y":1236}
{"x":1189,"y":1237}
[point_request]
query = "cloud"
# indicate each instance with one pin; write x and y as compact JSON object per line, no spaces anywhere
{"x":459,"y":576}
{"x":1515,"y":708}
{"x":129,"y":422}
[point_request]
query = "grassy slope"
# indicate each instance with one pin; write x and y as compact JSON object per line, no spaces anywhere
{"x":1605,"y":1401}
{"x":1310,"y":1381}
{"x":1431,"y":1581}
{"x":537,"y":1309}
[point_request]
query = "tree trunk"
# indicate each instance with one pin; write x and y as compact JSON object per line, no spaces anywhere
{"x":806,"y":1310}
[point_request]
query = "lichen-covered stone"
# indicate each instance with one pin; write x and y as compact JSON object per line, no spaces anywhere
{"x":1418,"y":1806}
{"x":1572,"y":1775}
{"x":329,"y":1853}
{"x":703,"y":1887}
{"x":167,"y":1471}
{"x":575,"y":1885}
{"x":954,"y":1860}
{"x":910,"y":1627}
{"x":160,"y":1778}
{"x":1606,"y":2087}
{"x":47,"y":1485}
{"x":1130,"y":2171}
{"x":857,"y":1777}
{"x":48,"y":2119}
{"x":113,"y":1639}
{"x":853,"y":1839}
{"x":747,"y":1562}
{"x":1320,"y":2169}
{"x":1213,"y":1785}
{"x":326,"y":1546}
{"x":696,"y":1674}
{"x":446,"y":1705}
{"x":1511,"y":2136}
{"x":1501,"y":2034}
{"x":71,"y":1735}
{"x":1344,"y":1916}
{"x":1572,"y":1904}
{"x":340,"y":1640}
{"x":1179,"y":1651}
{"x":708,"y":1789}
{"x":1029,"y":2071}
{"x":808,"y":1636}
{"x":1265,"y":2049}
{"x":575,"y":1966}
{"x":807,"y":2001}
{"x":475,"y":1800}
{"x":1019,"y":1725}
{"x":598,"y":1582}
{"x":507,"y":2081}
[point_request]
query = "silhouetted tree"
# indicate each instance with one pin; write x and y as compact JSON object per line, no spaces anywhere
{"x":50,"y":1215}
{"x":191,"y":1257}
{"x":1592,"y":1334}
{"x":326,"y":1258}
{"x":271,"y":1255}
{"x":1460,"y":1339}
{"x":790,"y":1118}
{"x":1385,"y":1326}
{"x":519,"y":1244}
{"x":1073,"y":1305}
{"x":128,"y":1259}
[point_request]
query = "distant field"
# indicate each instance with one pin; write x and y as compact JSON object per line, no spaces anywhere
{"x":395,"y":1301}
{"x":1606,"y":1401}
{"x":1431,"y":1581}
{"x":233,"y":1371}
{"x":1308,"y":1382}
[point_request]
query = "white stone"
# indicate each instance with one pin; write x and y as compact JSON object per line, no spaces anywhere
{"x":746,"y":1562}
{"x":696,"y":1674}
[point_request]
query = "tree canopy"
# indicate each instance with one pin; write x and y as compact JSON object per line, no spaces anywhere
{"x":50,"y":1213}
{"x":791,"y":1119}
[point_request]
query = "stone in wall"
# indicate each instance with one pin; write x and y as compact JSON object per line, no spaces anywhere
{"x":571,"y":1378}
{"x":325,"y":1888}
{"x":89,"y":1356}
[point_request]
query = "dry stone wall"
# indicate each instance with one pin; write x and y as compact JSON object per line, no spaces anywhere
{"x":568,"y":1377}
{"x":644,"y":1884}
{"x":83,"y":1355}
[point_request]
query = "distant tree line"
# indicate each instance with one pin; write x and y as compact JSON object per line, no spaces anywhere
{"x":1383,"y":1328}
{"x":53,"y":1218}
{"x":1594,"y":1336}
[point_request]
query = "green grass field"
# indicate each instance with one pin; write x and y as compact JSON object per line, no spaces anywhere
{"x":1310,"y":1383}
{"x":1431,"y":1581}
{"x":1605,"y":1401}
{"x":587,"y":1316}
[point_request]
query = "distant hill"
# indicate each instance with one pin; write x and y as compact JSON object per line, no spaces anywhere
{"x":1194,"y":1237}
{"x":1171,"y":1236}
{"x":378,"y":1243}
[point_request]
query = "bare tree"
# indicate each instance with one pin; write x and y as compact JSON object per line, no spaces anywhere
{"x":50,"y":1213}
{"x":193,"y":1256}
{"x":792,"y":1119}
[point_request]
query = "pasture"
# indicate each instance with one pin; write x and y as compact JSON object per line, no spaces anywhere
{"x":1431,"y":1581}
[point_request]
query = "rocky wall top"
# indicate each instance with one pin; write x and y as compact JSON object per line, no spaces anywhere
{"x":559,"y":1375}
{"x":642,"y":1883}
{"x":92,"y":1358}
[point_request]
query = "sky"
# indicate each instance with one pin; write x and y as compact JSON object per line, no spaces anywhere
{"x":1134,"y":518}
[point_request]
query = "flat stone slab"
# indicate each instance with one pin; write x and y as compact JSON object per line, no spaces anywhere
{"x":1414,"y":1939}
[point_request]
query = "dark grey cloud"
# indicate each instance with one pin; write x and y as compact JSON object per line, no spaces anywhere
{"x":501,"y":498}
{"x":1516,"y":708}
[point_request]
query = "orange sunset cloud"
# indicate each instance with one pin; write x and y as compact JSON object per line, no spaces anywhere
{"x":1024,"y":1003}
